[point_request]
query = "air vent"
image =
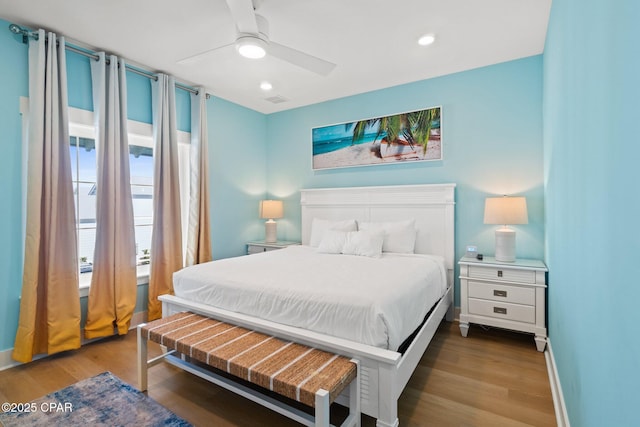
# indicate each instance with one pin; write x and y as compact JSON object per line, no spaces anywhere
{"x":276,"y":99}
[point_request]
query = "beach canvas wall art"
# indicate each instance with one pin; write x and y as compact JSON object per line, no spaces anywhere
{"x":400,"y":138}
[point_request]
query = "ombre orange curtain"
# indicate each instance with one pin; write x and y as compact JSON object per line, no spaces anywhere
{"x":199,"y":232}
{"x":112,"y":296}
{"x":166,"y":237}
{"x":50,"y":305}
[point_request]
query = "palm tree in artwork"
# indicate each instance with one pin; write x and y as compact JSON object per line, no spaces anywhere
{"x":421,"y":123}
{"x":412,"y":128}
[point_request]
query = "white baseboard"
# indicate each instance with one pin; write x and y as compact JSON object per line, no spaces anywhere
{"x":562,"y":418}
{"x":6,"y":361}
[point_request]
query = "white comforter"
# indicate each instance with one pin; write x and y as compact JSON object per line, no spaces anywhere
{"x":375,"y":301}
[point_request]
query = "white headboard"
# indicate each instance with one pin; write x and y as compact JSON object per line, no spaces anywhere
{"x":431,"y":205}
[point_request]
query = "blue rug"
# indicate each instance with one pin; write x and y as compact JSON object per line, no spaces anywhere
{"x":103,"y":400}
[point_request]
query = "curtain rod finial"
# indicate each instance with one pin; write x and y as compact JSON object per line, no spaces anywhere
{"x":15,"y":29}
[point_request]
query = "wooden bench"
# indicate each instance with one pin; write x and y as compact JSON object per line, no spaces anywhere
{"x":307,"y":375}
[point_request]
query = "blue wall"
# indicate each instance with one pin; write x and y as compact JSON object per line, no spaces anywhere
{"x":13,"y":84}
{"x":591,"y":154}
{"x":492,"y":144}
{"x":237,"y":176}
{"x":237,"y":159}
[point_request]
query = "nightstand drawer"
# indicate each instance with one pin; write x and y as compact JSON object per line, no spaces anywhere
{"x":502,"y":293}
{"x":262,"y":246}
{"x":256,"y":249}
{"x":507,"y":274}
{"x":502,"y":310}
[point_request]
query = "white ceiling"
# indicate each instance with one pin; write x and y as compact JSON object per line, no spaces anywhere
{"x":373,"y":42}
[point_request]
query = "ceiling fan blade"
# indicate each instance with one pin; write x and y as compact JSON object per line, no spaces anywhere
{"x":243,"y":15}
{"x":202,"y":55}
{"x":301,"y":59}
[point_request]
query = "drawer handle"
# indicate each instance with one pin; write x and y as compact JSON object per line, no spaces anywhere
{"x":497,"y":293}
{"x":500,"y":310}
{"x":499,"y":273}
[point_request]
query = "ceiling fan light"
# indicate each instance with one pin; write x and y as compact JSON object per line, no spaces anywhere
{"x":251,"y":47}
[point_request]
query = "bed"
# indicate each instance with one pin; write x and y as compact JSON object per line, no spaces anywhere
{"x":347,"y":296}
{"x":389,"y":313}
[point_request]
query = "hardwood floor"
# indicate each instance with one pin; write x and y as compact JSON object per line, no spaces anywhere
{"x":492,"y":378}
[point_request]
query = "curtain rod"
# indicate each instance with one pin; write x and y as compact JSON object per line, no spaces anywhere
{"x":16,"y":29}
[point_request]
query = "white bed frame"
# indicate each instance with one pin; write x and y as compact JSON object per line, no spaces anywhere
{"x":384,"y":373}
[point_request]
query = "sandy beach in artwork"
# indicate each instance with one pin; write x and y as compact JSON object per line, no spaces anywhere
{"x":376,"y":153}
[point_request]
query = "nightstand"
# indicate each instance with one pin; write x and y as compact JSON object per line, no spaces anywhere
{"x":509,"y":295}
{"x":261,"y":246}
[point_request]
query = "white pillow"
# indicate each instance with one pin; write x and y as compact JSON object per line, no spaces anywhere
{"x":332,"y":242}
{"x":320,"y":226}
{"x":364,"y":243}
{"x":399,"y":236}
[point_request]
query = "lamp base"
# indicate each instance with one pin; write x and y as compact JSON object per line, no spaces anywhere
{"x":270,"y":231}
{"x":505,"y":245}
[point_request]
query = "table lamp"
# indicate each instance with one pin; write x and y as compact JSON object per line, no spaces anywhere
{"x":505,"y":210}
{"x":270,"y":209}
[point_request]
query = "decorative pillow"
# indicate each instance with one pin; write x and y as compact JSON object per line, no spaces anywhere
{"x":320,"y":226}
{"x":364,"y":243}
{"x":399,"y":236}
{"x":332,"y":242}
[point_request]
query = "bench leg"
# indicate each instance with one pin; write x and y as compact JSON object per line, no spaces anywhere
{"x":142,"y":360}
{"x":322,"y":408}
{"x":354,"y":396}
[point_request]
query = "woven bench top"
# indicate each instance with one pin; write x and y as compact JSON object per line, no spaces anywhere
{"x":292,"y":370}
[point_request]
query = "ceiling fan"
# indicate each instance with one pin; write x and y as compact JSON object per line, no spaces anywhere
{"x":252,"y":41}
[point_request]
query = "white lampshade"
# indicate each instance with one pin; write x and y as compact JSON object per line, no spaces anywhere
{"x":270,"y":209}
{"x":505,"y":210}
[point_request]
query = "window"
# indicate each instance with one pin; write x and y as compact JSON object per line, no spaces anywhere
{"x":83,"y":172}
{"x":83,"y":165}
{"x":141,"y":171}
{"x":83,"y":175}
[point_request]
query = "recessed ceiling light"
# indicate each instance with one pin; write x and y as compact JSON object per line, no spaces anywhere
{"x":266,"y":86}
{"x":426,"y":40}
{"x":251,"y":47}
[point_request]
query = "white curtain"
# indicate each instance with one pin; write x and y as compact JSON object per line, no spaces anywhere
{"x":50,"y":303}
{"x":198,"y":234}
{"x":112,"y":296}
{"x":166,"y":238}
